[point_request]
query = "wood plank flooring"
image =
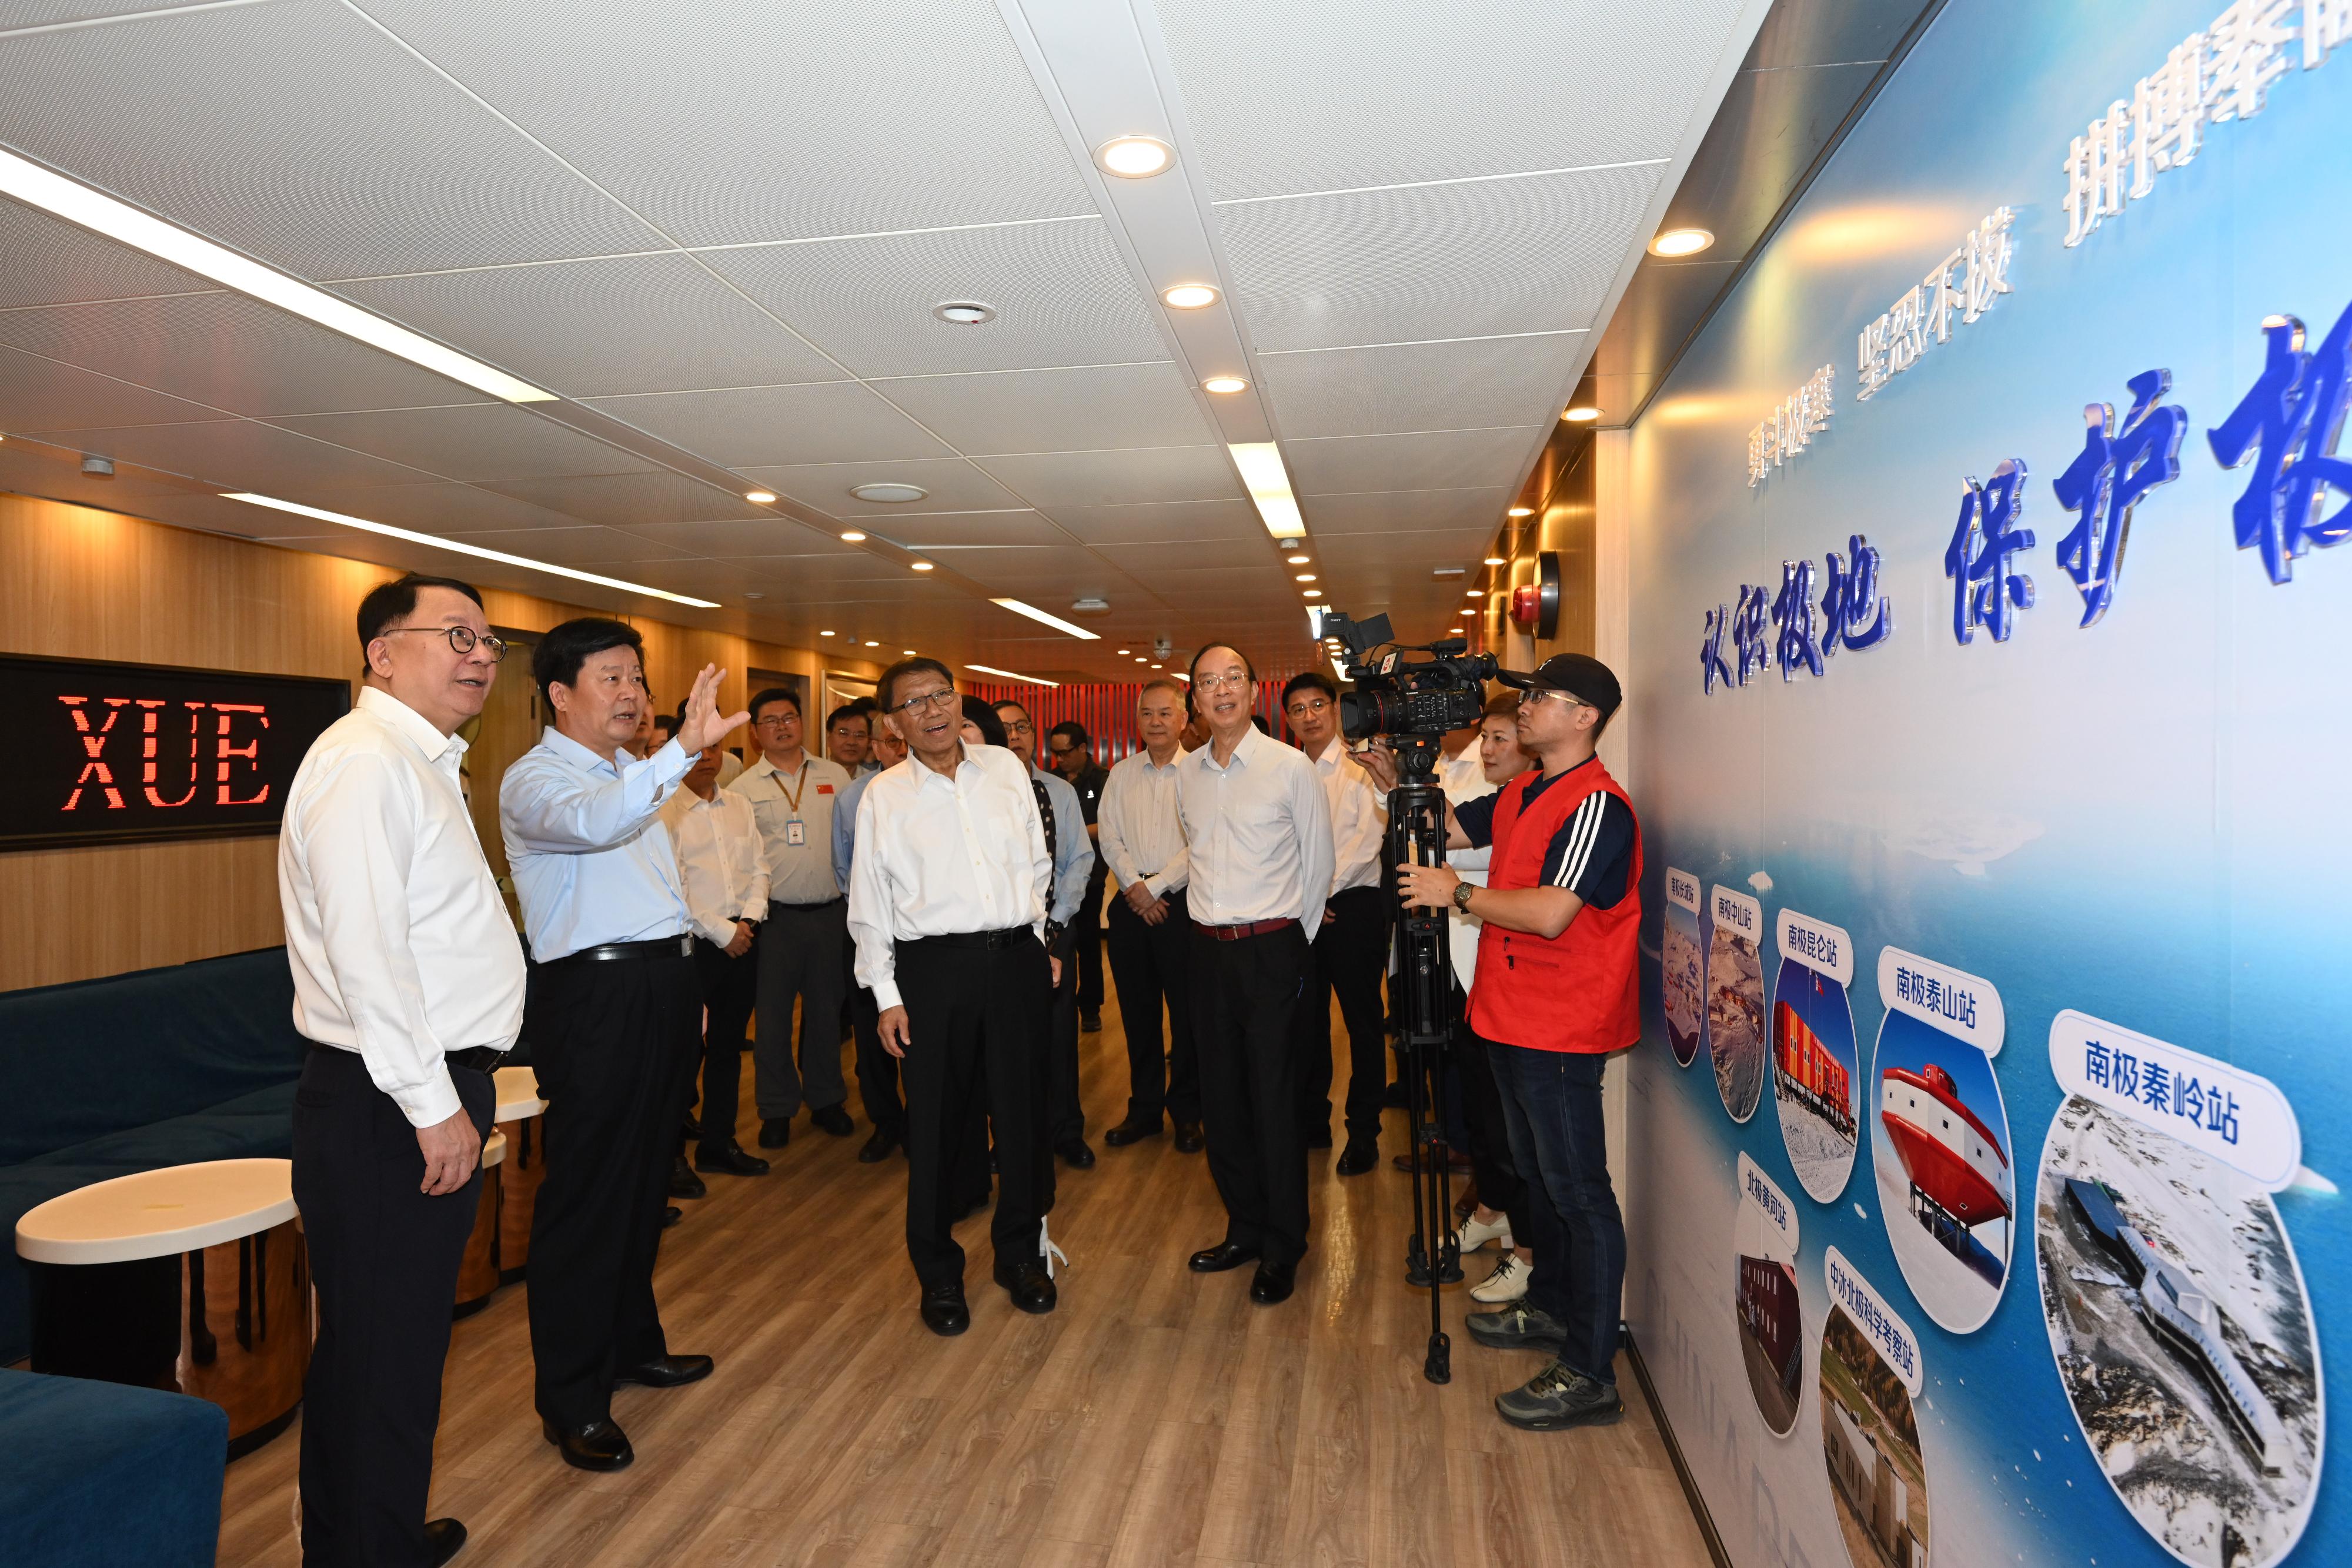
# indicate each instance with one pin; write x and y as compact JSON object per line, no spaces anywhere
{"x":1157,"y":1417}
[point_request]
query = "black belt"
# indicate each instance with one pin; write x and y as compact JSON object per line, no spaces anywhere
{"x":481,"y":1058}
{"x":825,"y":904}
{"x":659,"y":947}
{"x":1005,"y":939}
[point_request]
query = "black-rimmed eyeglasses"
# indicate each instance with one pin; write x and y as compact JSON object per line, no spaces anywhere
{"x":938,"y":699}
{"x":462,"y":640}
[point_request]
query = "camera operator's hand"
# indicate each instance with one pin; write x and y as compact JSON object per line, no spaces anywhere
{"x":1426,"y":886}
{"x":1380,"y":761}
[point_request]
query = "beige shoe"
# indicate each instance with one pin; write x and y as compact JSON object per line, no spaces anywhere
{"x":1508,"y":1282}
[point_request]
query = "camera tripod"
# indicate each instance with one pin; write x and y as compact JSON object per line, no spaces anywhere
{"x":1425,"y":970}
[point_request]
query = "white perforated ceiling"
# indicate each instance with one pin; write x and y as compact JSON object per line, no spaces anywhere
{"x":726,"y":226}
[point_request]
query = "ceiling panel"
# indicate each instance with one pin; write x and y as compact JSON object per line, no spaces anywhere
{"x":239,"y":455}
{"x":927,"y":530}
{"x":1047,"y":577}
{"x":1062,"y":295}
{"x":298,"y":132}
{"x":803,"y":119}
{"x":1424,"y":547}
{"x":1057,"y":411}
{"x":1434,"y":460}
{"x":1351,"y":63}
{"x":1226,"y":521}
{"x":49,"y":12}
{"x":586,"y":328}
{"x":1405,"y":511}
{"x":1445,"y":261}
{"x":951,"y":485}
{"x":42,"y":394}
{"x":625,"y":501}
{"x":1055,"y":480}
{"x":746,"y":536}
{"x":433,"y":509}
{"x":1417,"y":386}
{"x":827,"y":422}
{"x":230,"y":351}
{"x":47,"y":261}
{"x":479,"y":442}
{"x":583,"y":546}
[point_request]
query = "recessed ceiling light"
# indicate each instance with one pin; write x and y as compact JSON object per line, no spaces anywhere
{"x":964,"y":312}
{"x":1055,"y":622}
{"x":1583,"y":413}
{"x":1681,"y":242}
{"x":922,"y":565}
{"x":448,"y":544}
{"x":1159,"y":666}
{"x":1142,"y":660}
{"x":749,"y":594}
{"x":852,"y":537}
{"x":888,"y":493}
{"x":909,"y":652}
{"x":759,"y":497}
{"x":1523,"y":511}
{"x":1122,"y":652}
{"x":1297,"y":559}
{"x":824,"y":634}
{"x":1134,"y":157}
{"x":78,"y":203}
{"x":1189,"y":295}
{"x":1312,"y":592}
{"x":1497,"y":561}
{"x":1010,"y":675}
{"x":1225,"y":386}
{"x":1305,"y":577}
{"x":1475,"y":593}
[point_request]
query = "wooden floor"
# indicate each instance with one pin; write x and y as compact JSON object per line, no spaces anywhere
{"x":1156,"y":1417}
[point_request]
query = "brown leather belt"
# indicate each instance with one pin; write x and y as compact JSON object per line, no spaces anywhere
{"x":1247,"y":928}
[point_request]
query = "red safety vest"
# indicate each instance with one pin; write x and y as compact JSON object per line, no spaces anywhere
{"x":1578,"y":990}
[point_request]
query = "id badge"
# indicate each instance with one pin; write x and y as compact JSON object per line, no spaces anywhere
{"x":795,"y":833}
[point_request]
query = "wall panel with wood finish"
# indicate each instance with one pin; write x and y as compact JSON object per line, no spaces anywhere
{"x":77,"y":583}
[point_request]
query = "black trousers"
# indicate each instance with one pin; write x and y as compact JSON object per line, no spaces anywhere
{"x":1065,"y":1118}
{"x":1499,"y":1183}
{"x":1149,"y":964}
{"x":1088,"y":928}
{"x":1245,"y":997}
{"x":799,"y":955}
{"x":383,"y":1257}
{"x":877,"y":1069}
{"x":614,"y":1051}
{"x":977,"y":1021}
{"x":1350,"y":956}
{"x":729,"y":988}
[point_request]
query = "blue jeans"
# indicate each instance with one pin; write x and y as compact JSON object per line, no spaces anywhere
{"x":1551,"y":1109}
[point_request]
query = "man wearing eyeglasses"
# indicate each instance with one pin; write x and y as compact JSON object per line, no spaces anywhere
{"x":1070,"y":752}
{"x":1074,"y":857}
{"x":615,"y":1021}
{"x":793,"y":796}
{"x":1555,"y":992}
{"x":409,"y":984}
{"x":1258,"y":828}
{"x":948,"y":895}
{"x":877,"y":1069}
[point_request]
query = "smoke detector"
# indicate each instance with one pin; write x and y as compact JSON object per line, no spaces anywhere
{"x":98,"y":467}
{"x":1090,"y":605}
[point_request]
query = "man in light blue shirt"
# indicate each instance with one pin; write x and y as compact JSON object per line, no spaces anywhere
{"x":877,"y":1069}
{"x":613,"y":1021}
{"x":1074,"y":862}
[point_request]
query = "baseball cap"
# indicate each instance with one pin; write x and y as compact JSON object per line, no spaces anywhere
{"x":1585,"y":678}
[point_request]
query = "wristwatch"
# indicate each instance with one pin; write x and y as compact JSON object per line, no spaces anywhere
{"x":1462,"y":891}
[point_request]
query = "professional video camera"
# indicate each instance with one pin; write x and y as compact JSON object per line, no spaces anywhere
{"x":1409,"y":704}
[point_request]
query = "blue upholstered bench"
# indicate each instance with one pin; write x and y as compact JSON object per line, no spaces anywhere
{"x":160,"y":1067}
{"x":101,"y":1474}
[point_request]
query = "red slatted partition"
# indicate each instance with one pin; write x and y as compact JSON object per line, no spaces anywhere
{"x":1107,"y":710}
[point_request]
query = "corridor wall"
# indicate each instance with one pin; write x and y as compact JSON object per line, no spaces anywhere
{"x":1988,"y":1124}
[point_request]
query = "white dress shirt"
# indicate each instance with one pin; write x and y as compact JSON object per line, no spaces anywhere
{"x":401,"y":947}
{"x":721,"y":864}
{"x":1142,"y":837}
{"x":1260,"y":833}
{"x":1465,"y":772}
{"x":1359,"y":818}
{"x":1462,"y":940}
{"x":937,"y":856}
{"x":592,"y":862}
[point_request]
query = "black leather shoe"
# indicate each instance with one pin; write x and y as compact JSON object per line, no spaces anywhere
{"x":671,"y":1216}
{"x":1273,"y":1283}
{"x":1074,"y":1153}
{"x":944,"y":1313}
{"x":1225,"y":1255}
{"x":1360,"y":1156}
{"x":1132,"y":1132}
{"x":684,"y":1183}
{"x":1031,"y":1288}
{"x":732,"y":1159}
{"x":775,"y":1132}
{"x":834,"y":1120}
{"x":1090,"y":1023}
{"x":666,"y":1372}
{"x":878,"y":1147}
{"x":1190,"y":1139}
{"x":597,"y":1446}
{"x":445,"y":1538}
{"x":1318,"y":1137}
{"x":1395,"y":1096}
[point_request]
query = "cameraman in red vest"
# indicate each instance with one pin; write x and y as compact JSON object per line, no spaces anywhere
{"x":1555,"y":992}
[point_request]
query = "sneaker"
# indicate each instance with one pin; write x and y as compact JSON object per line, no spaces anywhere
{"x":1507,"y":1284}
{"x":1558,"y":1397}
{"x":1518,"y":1326}
{"x":1475,"y":1233}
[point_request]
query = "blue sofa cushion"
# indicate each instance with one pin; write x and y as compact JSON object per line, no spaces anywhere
{"x":82,"y":1060}
{"x":100,"y":1474}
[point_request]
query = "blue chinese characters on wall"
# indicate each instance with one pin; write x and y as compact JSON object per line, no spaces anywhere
{"x":2107,"y":479}
{"x":2287,"y":423}
{"x":1985,"y":592}
{"x":1847,"y":596}
{"x":1792,"y":612}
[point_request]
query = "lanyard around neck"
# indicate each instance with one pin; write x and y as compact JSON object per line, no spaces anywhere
{"x":793,"y":796}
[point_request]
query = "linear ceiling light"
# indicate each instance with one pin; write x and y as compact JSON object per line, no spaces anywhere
{"x":438,"y":543}
{"x":1009,"y":674}
{"x":1269,"y":487}
{"x":1055,"y":622}
{"x":101,"y":213}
